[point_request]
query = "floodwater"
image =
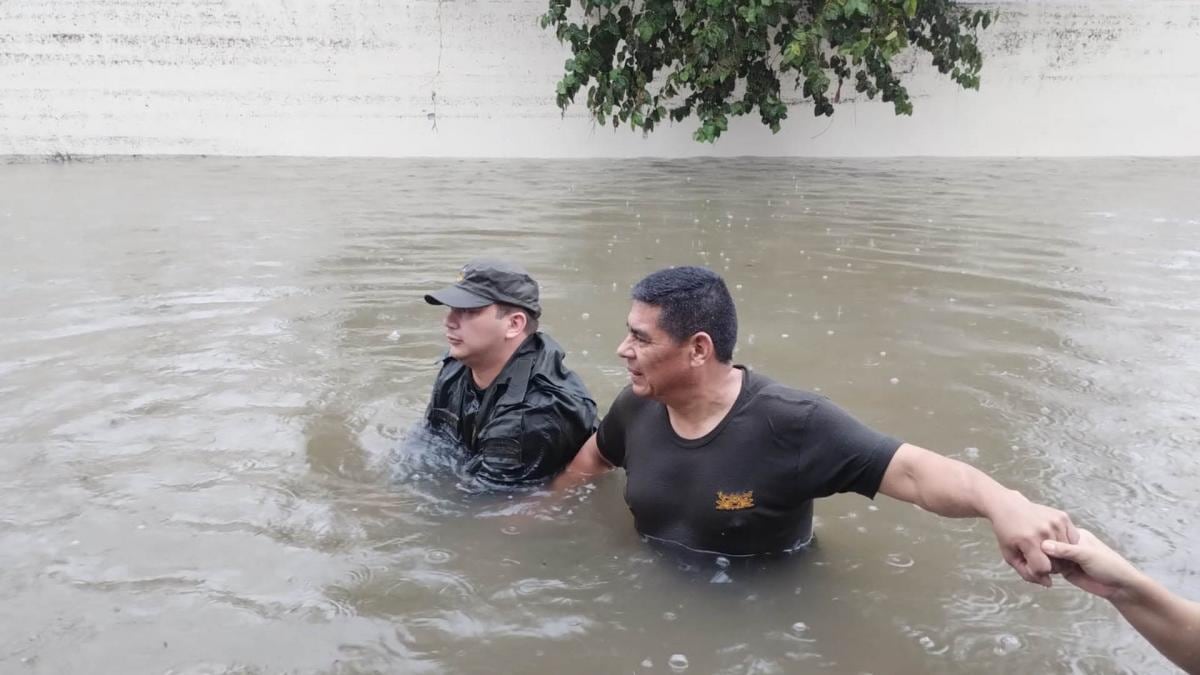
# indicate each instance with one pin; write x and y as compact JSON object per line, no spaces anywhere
{"x":210,"y":370}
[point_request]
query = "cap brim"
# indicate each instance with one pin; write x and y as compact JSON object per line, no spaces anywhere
{"x":453,"y":296}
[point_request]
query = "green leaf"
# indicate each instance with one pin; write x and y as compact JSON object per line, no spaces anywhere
{"x":856,"y":7}
{"x":910,"y":8}
{"x":645,"y":30}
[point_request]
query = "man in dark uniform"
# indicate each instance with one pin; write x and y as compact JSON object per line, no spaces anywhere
{"x":719,"y":458}
{"x":503,"y":392}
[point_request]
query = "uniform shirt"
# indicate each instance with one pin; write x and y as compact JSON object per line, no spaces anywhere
{"x":525,"y":426}
{"x":747,"y":486}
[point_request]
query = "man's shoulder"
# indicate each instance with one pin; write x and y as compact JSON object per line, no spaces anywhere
{"x":772,"y":397}
{"x":628,"y":406}
{"x":548,"y":372}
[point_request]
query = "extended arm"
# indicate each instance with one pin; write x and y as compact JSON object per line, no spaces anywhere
{"x":954,"y":489}
{"x":1169,"y":622}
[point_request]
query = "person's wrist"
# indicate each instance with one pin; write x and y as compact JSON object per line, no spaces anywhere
{"x":1133,"y":590}
{"x":1000,"y":501}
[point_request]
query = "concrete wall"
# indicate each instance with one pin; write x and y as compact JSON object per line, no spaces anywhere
{"x":476,"y":78}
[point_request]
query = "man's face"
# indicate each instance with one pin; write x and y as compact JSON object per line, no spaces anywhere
{"x":474,"y":334}
{"x":656,"y":362}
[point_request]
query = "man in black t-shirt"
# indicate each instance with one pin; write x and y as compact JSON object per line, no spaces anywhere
{"x":721,"y":459}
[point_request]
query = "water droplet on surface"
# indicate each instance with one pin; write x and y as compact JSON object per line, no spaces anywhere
{"x":894,"y":380}
{"x":585,"y":316}
{"x":510,"y":529}
{"x":1007,"y":644}
{"x":799,"y":627}
{"x":647,"y":663}
{"x":678,"y":662}
{"x":669,"y":616}
{"x":783,"y":335}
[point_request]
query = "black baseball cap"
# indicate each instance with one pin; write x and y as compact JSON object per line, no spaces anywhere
{"x":485,"y":281}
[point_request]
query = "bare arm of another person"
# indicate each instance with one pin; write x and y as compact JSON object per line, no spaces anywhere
{"x":1169,"y":622}
{"x":588,"y":463}
{"x":954,"y":489}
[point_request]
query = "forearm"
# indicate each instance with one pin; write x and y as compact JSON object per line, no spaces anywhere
{"x":572,"y":477}
{"x":955,"y":489}
{"x":1167,"y":621}
{"x":587,"y":464}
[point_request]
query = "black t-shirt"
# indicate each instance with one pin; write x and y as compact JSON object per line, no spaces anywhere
{"x":747,"y":486}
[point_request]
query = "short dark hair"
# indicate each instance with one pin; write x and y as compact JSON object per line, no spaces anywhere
{"x":503,"y":309}
{"x":692,"y":300}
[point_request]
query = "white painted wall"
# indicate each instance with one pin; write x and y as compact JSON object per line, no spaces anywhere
{"x":476,"y":78}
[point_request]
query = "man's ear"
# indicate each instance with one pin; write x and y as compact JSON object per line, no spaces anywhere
{"x":700,"y":349}
{"x":516,"y":323}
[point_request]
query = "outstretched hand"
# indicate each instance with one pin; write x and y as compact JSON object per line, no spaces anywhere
{"x":1093,"y":566}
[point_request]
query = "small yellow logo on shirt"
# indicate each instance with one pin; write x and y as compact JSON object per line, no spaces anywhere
{"x":735,"y":501}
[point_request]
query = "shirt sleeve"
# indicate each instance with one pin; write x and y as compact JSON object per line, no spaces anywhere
{"x":841,"y":454}
{"x":552,"y":427}
{"x":610,"y":437}
{"x":555,"y":429}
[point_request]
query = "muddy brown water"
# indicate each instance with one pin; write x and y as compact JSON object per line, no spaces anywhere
{"x":209,"y":369}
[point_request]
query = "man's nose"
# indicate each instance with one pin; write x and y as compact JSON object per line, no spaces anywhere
{"x":623,"y":349}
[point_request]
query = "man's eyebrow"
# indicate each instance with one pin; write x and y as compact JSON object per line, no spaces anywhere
{"x":639,"y":334}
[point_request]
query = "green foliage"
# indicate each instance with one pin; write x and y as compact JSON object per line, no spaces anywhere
{"x":646,"y":61}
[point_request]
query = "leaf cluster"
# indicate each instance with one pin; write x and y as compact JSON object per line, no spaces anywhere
{"x":642,"y":62}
